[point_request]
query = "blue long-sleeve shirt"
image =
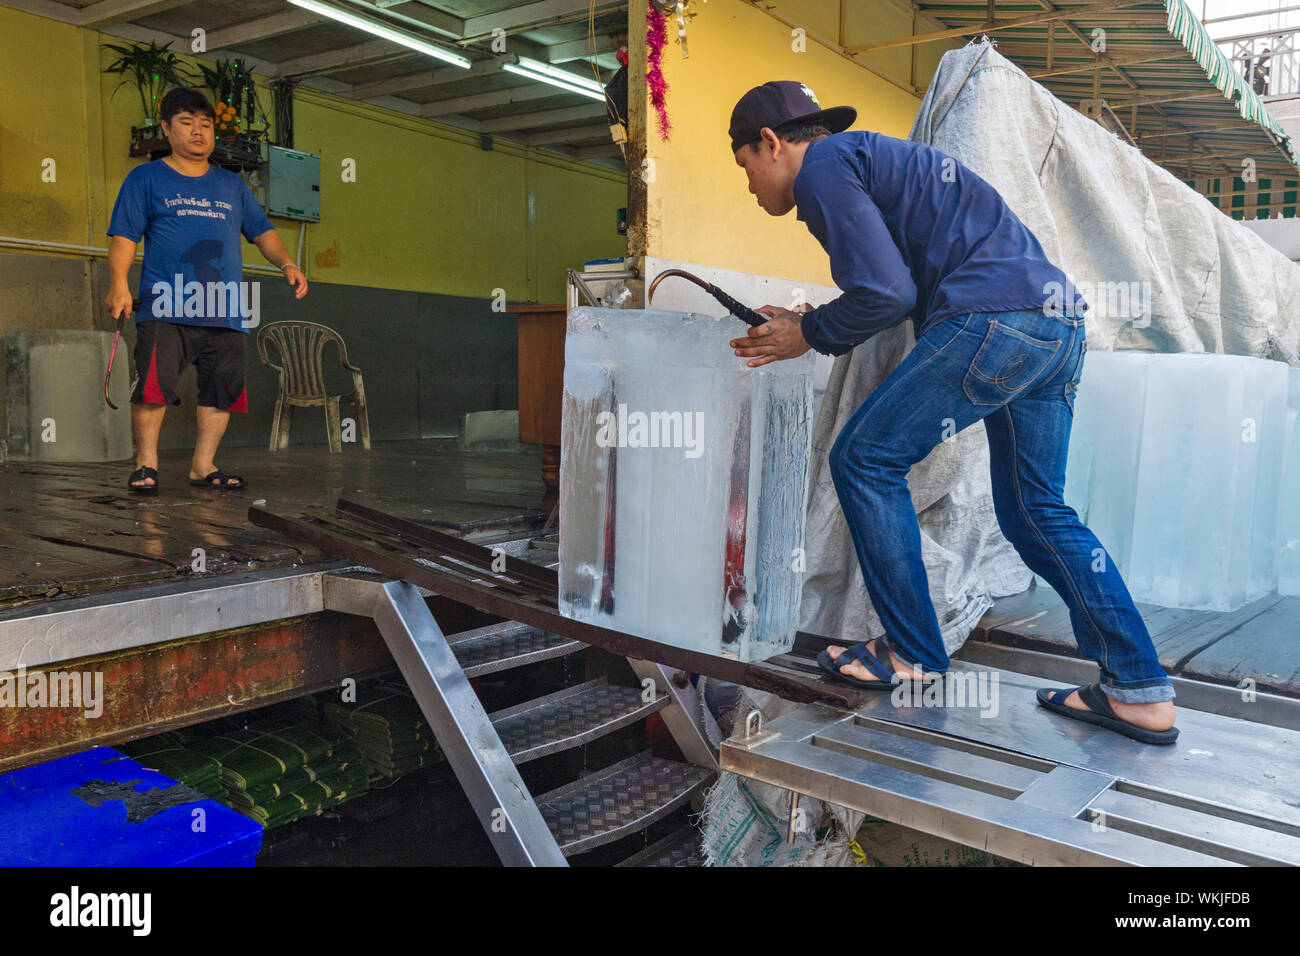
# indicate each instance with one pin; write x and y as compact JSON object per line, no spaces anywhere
{"x":912,"y":233}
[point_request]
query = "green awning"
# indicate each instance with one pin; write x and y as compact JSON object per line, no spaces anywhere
{"x":1187,"y":28}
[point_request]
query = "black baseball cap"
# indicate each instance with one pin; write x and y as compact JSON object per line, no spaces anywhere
{"x":778,"y":102}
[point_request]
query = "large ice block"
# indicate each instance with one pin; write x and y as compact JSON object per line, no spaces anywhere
{"x":683,"y":477}
{"x":1288,"y":582}
{"x":1176,"y":464}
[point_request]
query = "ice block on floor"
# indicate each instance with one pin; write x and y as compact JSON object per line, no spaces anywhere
{"x":683,"y":476}
{"x":1175,"y":464}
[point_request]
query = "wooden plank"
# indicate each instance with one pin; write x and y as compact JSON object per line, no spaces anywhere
{"x":106,"y":537}
{"x":1197,"y":630}
{"x":1038,"y":619}
{"x":1262,"y":648}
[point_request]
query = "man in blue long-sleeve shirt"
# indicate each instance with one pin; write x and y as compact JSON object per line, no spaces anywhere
{"x":911,"y":233}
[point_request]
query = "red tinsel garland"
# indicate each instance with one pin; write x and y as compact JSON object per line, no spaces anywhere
{"x":656,"y":37}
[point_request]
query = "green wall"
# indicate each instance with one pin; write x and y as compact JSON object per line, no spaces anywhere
{"x":430,"y":210}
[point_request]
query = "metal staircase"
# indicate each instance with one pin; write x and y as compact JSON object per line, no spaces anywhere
{"x":485,"y":749}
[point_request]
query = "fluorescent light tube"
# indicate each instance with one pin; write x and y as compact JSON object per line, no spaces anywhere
{"x":384,"y":32}
{"x":573,"y":79}
{"x":543,"y":78}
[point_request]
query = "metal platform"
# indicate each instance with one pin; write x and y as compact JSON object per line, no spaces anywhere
{"x":1035,"y":787}
{"x":1006,"y":777}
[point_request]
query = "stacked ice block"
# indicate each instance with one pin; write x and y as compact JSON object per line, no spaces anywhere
{"x":683,"y":475}
{"x":1176,"y":464}
{"x":1289,"y":513}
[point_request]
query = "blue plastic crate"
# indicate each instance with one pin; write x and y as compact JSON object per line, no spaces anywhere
{"x":101,"y":808}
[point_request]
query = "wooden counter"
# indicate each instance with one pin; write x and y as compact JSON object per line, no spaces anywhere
{"x":541,"y":381}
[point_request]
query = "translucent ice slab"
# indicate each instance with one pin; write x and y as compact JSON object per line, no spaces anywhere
{"x":683,"y":476}
{"x":1289,"y":519}
{"x":1176,"y":465}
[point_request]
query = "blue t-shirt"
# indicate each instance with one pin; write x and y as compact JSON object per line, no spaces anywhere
{"x":191,"y":226}
{"x":913,"y":233}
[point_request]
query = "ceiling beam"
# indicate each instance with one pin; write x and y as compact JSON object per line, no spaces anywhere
{"x":1151,"y":99}
{"x":48,"y":9}
{"x":1239,"y":124}
{"x":332,"y":61}
{"x":545,"y":117}
{"x":263,"y":28}
{"x":1111,"y":63}
{"x":107,"y":13}
{"x":414,"y":15}
{"x":581,"y":49}
{"x":139,"y":34}
{"x":1235,"y":154}
{"x":533,"y":13}
{"x":574,"y":134}
{"x":423,"y":79}
{"x":482,"y":101}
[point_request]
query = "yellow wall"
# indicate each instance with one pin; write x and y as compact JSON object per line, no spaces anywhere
{"x":430,"y":211}
{"x":698,"y":204}
{"x":43,"y":116}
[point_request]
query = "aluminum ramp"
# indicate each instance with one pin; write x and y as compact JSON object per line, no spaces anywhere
{"x":1038,"y":788}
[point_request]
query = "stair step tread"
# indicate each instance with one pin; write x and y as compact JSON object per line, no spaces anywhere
{"x":570,"y":717}
{"x":509,"y":644}
{"x":679,"y":848}
{"x":619,"y":800}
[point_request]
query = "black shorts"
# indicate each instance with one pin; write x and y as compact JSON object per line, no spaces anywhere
{"x":163,"y":350}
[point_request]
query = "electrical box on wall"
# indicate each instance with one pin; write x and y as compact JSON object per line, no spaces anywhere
{"x":293,"y":184}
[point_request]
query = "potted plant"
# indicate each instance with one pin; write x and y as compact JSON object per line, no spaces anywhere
{"x":235,"y":99}
{"x":153,"y":69}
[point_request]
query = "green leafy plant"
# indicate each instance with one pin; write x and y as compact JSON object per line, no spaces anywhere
{"x":231,"y":84}
{"x":152,"y":68}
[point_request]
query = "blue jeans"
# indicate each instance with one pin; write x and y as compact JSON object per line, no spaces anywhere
{"x":1017,"y":371}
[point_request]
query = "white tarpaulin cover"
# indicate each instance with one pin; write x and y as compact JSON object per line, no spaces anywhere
{"x":1161,"y":269}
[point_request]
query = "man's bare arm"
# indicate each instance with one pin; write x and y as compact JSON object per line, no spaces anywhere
{"x":121,"y":253}
{"x":272,"y":246}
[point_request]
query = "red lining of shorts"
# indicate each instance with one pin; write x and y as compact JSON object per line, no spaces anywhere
{"x":152,"y":394}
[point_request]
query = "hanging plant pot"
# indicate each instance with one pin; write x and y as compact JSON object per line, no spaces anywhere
{"x":153,"y":70}
{"x":149,"y":140}
{"x":238,"y":151}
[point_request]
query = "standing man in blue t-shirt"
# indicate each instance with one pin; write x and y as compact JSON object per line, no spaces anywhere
{"x":911,"y":233}
{"x":194,"y":307}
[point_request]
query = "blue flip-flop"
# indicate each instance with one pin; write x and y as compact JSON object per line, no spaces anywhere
{"x":859,"y":652}
{"x":1101,"y":713}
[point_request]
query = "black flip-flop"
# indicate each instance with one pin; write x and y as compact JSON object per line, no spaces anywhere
{"x":1101,"y":713}
{"x":222,"y":477}
{"x":859,"y":652}
{"x":140,"y":474}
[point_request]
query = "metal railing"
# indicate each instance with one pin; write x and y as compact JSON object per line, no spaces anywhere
{"x":1269,"y":62}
